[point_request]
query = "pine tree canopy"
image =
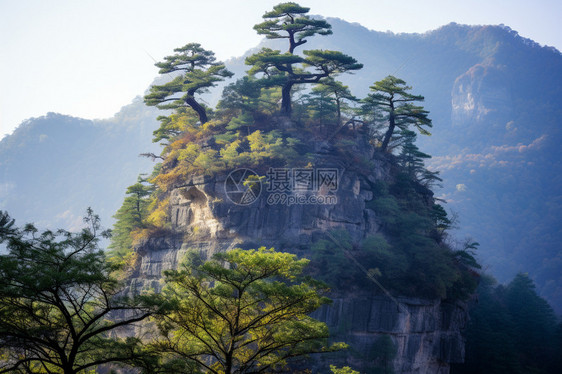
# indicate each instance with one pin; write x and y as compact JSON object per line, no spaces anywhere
{"x":289,"y":21}
{"x":199,"y":70}
{"x":393,"y":106}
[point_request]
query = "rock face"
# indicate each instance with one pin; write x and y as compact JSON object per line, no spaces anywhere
{"x":481,"y":101}
{"x":425,"y":334}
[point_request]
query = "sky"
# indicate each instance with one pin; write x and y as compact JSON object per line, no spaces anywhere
{"x":88,"y":58}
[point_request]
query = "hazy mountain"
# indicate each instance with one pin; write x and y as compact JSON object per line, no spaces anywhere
{"x":494,"y":98}
{"x":54,"y":167}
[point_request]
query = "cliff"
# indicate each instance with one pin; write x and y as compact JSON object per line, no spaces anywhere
{"x":425,"y":334}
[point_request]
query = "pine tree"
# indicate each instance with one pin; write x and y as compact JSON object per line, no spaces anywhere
{"x":57,"y":292}
{"x":131,"y":216}
{"x":245,"y":311}
{"x":411,"y":159}
{"x":199,"y":71}
{"x":338,"y":91}
{"x":289,"y":21}
{"x":393,"y":107}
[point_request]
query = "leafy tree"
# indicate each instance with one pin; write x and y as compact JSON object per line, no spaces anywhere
{"x":245,"y":311}
{"x":131,"y":216}
{"x":395,"y":108}
{"x":289,"y":21}
{"x":59,"y":301}
{"x":199,"y":71}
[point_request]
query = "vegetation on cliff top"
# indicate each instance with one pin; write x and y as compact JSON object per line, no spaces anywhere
{"x":274,"y":117}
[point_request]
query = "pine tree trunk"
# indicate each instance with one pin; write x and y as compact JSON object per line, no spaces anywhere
{"x":198,"y":108}
{"x":286,"y":107}
{"x":391,"y":127}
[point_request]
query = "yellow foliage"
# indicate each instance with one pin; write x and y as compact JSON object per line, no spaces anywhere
{"x":138,"y":234}
{"x":189,"y":153}
{"x":159,"y":214}
{"x":211,"y":126}
{"x":257,"y":142}
{"x":165,"y":181}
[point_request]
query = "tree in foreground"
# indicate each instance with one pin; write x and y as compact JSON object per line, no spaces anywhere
{"x":244,"y":311}
{"x":290,"y":21}
{"x":59,"y":302}
{"x":199,"y":71}
{"x":393,"y":107}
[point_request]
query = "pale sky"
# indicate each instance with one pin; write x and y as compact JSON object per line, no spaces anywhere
{"x":88,"y":58}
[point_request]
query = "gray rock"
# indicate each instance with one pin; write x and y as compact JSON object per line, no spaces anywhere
{"x":426,"y":333}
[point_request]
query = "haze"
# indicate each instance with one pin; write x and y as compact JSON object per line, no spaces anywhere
{"x":90,"y":58}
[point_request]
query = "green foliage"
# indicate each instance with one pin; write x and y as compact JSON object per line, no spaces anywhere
{"x":56,"y":293}
{"x":409,"y":263}
{"x":241,"y":96}
{"x":327,"y":102}
{"x":199,"y":71}
{"x":342,"y":370}
{"x":289,"y":21}
{"x":243,"y":311}
{"x":130,"y":217}
{"x":321,"y":108}
{"x":412,"y":259}
{"x":392,"y":107}
{"x":171,"y":127}
{"x":511,"y":330}
{"x":329,"y":260}
{"x":329,"y":87}
{"x":411,"y":159}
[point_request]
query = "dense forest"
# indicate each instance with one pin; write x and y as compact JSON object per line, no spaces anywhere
{"x":247,"y":311}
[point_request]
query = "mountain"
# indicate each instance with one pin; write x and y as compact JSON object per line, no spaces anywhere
{"x":494,"y":98}
{"x":54,"y":167}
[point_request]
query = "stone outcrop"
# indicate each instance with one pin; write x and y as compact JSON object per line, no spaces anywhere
{"x":481,"y":101}
{"x":425,"y":334}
